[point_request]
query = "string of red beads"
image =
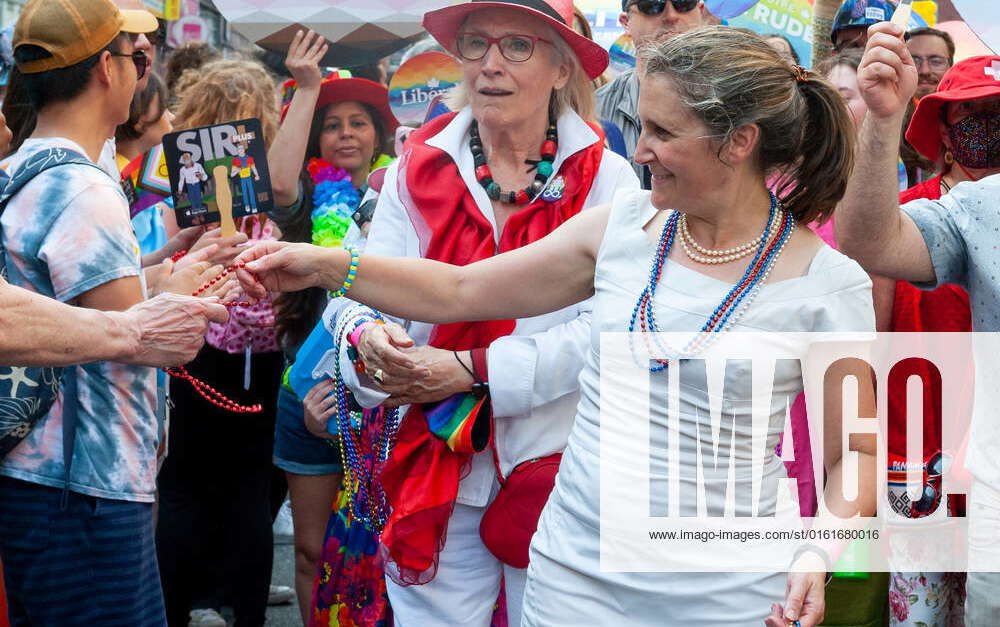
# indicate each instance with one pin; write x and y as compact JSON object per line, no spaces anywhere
{"x":220,"y":277}
{"x":212,"y":395}
{"x":206,"y":391}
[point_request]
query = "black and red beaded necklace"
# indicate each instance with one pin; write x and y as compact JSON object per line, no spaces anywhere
{"x":543,"y":168}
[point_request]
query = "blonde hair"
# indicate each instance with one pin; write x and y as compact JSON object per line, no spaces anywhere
{"x":576,"y":95}
{"x":227,"y":90}
{"x":729,"y":79}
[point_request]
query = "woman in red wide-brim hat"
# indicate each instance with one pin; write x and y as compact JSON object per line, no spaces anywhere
{"x":519,"y":156}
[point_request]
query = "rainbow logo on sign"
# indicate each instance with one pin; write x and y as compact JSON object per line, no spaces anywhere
{"x":418,"y":81}
{"x":622,"y":55}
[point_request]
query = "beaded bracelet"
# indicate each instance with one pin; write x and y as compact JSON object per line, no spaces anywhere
{"x":358,"y":320}
{"x":359,"y":330}
{"x":352,"y":271}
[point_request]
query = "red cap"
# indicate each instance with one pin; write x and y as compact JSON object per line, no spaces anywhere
{"x":971,"y":79}
{"x":336,"y":89}
{"x":443,"y":25}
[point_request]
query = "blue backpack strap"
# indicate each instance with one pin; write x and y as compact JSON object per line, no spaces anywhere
{"x":34,"y":165}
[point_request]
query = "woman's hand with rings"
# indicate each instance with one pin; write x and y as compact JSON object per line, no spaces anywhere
{"x":320,"y":404}
{"x":382,"y":349}
{"x":445,"y":377}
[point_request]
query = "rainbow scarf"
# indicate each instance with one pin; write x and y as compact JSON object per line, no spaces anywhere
{"x":462,"y":421}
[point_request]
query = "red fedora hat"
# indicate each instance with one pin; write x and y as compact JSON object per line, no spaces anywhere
{"x":336,"y":89}
{"x":443,"y":24}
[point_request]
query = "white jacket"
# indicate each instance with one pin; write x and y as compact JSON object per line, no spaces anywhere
{"x":533,"y":373}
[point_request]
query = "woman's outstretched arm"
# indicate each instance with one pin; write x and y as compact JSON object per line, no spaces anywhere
{"x":552,"y":273}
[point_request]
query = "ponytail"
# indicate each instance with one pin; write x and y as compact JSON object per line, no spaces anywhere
{"x":825,"y":154}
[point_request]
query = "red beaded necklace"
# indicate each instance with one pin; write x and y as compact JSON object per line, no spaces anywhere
{"x":221,"y":276}
{"x":206,"y":391}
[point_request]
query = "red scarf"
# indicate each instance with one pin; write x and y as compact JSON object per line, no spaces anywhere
{"x":422,"y":474}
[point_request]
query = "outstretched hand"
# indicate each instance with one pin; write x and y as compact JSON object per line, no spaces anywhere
{"x":287,"y":267}
{"x":170,"y":329}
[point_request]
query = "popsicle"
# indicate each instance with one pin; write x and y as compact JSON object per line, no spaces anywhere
{"x":902,"y":15}
{"x":224,"y":200}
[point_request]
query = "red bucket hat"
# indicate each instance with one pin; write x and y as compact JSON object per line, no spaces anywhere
{"x":443,"y":25}
{"x":336,"y":89}
{"x":971,"y":79}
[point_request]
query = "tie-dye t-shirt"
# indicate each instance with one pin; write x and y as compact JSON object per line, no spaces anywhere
{"x":67,"y":232}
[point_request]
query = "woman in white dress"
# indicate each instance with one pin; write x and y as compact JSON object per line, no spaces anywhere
{"x":721,"y":112}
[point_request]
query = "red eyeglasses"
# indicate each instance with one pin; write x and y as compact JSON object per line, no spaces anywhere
{"x":516,"y":48}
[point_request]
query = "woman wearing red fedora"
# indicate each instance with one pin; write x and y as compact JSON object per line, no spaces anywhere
{"x":334,"y":132}
{"x":951,"y":127}
{"x":520,"y":156}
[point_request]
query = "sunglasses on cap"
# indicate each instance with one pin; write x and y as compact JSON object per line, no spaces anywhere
{"x":656,"y":7}
{"x":139,"y":58}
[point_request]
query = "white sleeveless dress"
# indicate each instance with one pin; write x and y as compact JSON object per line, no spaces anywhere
{"x":565,"y":583}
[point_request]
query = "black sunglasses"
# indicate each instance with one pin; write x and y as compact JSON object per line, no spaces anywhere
{"x":138,"y":57}
{"x":656,"y":7}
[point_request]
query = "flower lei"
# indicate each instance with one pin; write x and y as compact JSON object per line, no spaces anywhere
{"x":334,"y":202}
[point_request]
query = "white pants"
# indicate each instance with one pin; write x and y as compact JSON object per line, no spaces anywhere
{"x":465,"y":589}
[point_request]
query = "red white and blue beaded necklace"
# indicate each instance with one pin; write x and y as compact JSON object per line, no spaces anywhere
{"x":736,"y":302}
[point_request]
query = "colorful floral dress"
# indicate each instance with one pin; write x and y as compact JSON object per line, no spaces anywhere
{"x":349,"y":590}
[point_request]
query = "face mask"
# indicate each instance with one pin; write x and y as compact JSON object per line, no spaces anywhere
{"x":975,"y":140}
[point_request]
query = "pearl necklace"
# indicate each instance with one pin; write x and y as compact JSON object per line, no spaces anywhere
{"x":709,"y":256}
{"x":733,"y":306}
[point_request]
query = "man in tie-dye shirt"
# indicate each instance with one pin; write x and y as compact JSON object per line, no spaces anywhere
{"x":83,"y":555}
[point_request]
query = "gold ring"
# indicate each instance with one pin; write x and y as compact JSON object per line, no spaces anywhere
{"x":378,"y":376}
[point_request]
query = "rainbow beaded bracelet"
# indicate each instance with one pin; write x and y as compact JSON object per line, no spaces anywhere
{"x":352,"y":271}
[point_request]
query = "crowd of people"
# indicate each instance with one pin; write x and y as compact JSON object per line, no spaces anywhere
{"x":412,"y":377}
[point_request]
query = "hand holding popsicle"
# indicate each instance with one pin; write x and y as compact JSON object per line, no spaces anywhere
{"x":887,"y":76}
